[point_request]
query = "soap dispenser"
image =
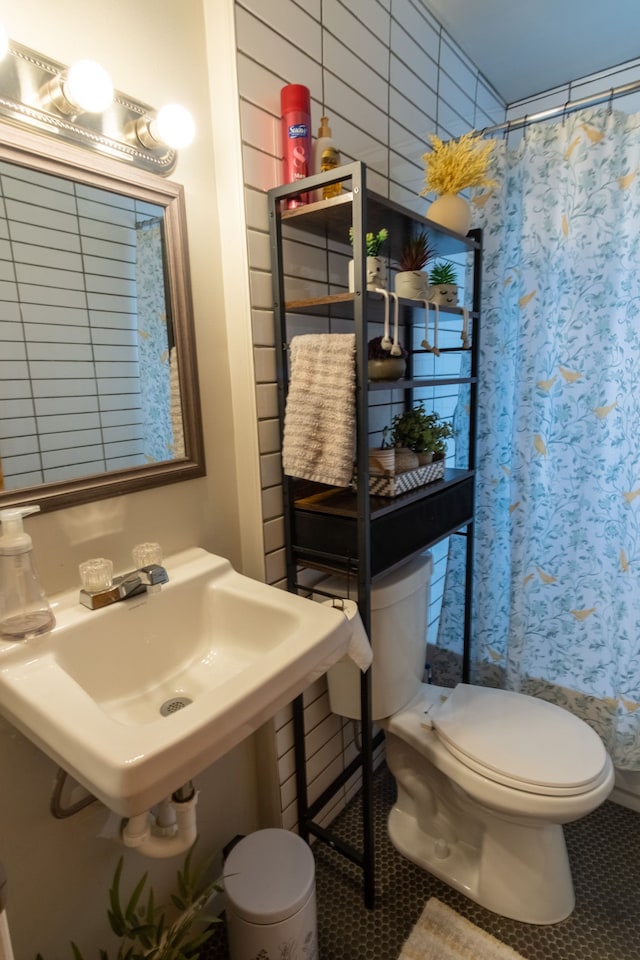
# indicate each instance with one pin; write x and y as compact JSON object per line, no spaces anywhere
{"x":24,"y":610}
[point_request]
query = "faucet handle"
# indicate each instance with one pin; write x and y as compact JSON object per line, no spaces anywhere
{"x":96,"y":574}
{"x":145,"y":554}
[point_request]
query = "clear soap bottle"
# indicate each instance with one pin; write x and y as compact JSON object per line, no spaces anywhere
{"x":24,"y":609}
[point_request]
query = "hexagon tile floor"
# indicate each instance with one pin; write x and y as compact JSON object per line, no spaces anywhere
{"x":604,"y":849}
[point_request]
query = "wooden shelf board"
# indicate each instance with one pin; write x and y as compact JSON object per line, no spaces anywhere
{"x":332,"y":218}
{"x":308,"y":303}
{"x":342,"y":502}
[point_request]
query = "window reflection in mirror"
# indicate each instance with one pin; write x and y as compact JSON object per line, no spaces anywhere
{"x":90,"y":279}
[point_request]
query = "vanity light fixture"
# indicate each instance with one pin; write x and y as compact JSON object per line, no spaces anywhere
{"x":79,"y":104}
{"x":172,"y":125}
{"x":85,"y":87}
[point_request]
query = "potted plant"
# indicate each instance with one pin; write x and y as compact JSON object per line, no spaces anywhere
{"x":450,"y":168}
{"x":444,"y":285}
{"x":411,"y":280}
{"x":422,"y":433}
{"x":381,"y":364}
{"x":376,"y":266}
{"x":144,"y":928}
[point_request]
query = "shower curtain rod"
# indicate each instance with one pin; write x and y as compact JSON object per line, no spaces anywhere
{"x":569,"y":107}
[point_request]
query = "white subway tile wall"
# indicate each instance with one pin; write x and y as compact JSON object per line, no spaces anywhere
{"x":387,"y":75}
{"x":69,"y":374}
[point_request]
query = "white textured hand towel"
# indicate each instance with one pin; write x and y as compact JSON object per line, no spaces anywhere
{"x":359,"y":650}
{"x":319,"y":423}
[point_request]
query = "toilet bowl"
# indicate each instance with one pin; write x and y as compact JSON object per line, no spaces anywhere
{"x":485,"y":778}
{"x":485,"y":782}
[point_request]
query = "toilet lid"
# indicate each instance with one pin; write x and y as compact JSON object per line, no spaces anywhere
{"x":520,"y":741}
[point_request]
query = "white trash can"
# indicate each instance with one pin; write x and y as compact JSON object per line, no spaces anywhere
{"x":269,"y":883}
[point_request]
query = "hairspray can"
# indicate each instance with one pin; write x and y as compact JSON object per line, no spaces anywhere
{"x":296,"y":137}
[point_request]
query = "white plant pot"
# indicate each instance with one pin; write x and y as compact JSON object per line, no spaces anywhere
{"x":451,"y":211}
{"x":444,"y":294}
{"x":376,"y":274}
{"x":406,"y":459}
{"x":382,"y":461}
{"x":412,"y":284}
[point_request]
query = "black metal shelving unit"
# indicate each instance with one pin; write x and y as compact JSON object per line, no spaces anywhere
{"x":349,"y":531}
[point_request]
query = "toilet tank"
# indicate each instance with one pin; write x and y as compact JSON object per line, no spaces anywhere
{"x":399,"y":605}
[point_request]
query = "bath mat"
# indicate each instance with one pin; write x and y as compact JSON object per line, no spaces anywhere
{"x":442,"y":934}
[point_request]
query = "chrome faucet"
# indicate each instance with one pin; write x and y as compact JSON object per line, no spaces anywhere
{"x":127,"y":585}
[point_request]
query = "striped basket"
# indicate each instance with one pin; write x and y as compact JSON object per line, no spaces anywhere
{"x":403,"y":482}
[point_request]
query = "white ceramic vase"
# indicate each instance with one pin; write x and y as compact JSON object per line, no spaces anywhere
{"x":406,"y":460}
{"x":376,"y":274}
{"x":412,"y":284}
{"x":382,"y":461}
{"x":444,"y":294}
{"x":451,"y":211}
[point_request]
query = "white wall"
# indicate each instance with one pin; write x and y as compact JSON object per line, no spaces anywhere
{"x":387,"y":76}
{"x":59,"y":871}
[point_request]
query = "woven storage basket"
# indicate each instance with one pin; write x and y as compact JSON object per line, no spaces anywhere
{"x":403,"y":482}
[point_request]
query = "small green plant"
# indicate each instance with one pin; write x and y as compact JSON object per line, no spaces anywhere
{"x":375,"y":351}
{"x":443,"y":273}
{"x":420,"y":431}
{"x":373,"y":241}
{"x":143,"y":929}
{"x":416,"y":252}
{"x":387,"y":439}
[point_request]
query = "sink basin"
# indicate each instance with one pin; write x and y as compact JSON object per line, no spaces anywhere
{"x":135,"y":699}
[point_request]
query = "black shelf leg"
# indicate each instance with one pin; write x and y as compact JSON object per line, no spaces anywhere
{"x":368,"y":841}
{"x":300,"y":754}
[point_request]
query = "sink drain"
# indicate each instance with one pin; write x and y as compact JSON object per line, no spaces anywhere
{"x":174,"y":704}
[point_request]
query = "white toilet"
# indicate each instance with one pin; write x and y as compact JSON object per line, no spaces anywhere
{"x":485,"y":777}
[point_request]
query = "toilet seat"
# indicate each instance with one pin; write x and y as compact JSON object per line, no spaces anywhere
{"x":520,"y":741}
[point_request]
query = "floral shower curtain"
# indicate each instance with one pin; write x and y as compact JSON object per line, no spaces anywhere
{"x":557,"y":558}
{"x":153,"y":345}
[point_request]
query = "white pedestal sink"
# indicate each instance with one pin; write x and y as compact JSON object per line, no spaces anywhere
{"x":135,"y":699}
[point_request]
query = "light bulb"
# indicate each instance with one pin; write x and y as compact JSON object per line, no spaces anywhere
{"x":175,"y":126}
{"x":88,"y":87}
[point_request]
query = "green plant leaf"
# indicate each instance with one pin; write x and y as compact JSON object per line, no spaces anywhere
{"x":115,"y":916}
{"x":182,"y":886}
{"x":143,"y":932}
{"x":151,"y":905}
{"x":420,"y":431}
{"x":130,"y":914}
{"x":202,"y":939}
{"x":443,"y":273}
{"x":160,"y":928}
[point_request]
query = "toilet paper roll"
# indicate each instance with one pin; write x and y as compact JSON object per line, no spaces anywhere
{"x":359,"y":649}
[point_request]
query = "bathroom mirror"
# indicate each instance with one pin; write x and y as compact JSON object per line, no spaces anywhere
{"x":98,"y":375}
